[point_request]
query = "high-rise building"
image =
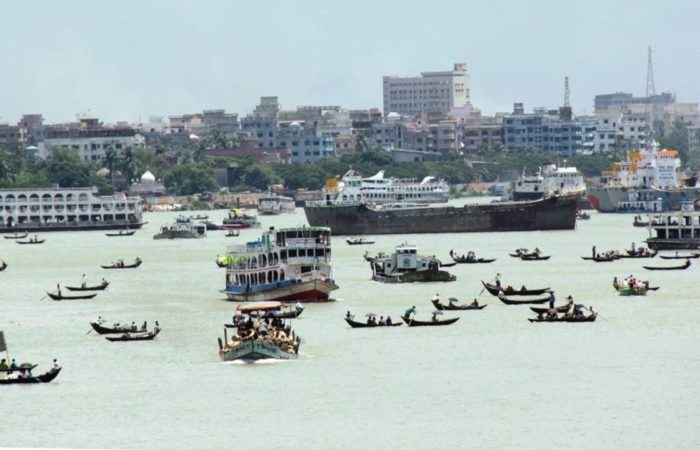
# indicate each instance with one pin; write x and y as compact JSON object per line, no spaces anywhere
{"x":431,"y":93}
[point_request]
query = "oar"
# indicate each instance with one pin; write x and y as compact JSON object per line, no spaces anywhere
{"x":90,"y":331}
{"x":43,"y":297}
{"x":596,"y":313}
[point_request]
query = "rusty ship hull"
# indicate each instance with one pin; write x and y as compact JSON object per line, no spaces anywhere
{"x":554,"y":213}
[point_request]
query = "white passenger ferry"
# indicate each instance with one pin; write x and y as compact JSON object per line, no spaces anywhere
{"x":550,"y":179}
{"x":353,"y":189}
{"x":273,"y":204}
{"x":289,"y":264}
{"x":66,"y":209}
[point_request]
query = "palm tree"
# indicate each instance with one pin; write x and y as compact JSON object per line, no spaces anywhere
{"x":127,"y":164}
{"x":111,"y":159}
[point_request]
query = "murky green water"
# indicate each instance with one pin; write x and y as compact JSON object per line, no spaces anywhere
{"x":491,"y":380}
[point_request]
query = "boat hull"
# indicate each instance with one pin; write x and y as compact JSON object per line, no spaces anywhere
{"x":554,"y":213}
{"x":36,"y":228}
{"x":607,"y":199}
{"x":306,"y":291}
{"x":254,"y":350}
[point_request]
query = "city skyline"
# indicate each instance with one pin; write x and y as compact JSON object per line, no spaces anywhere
{"x":128,"y":61}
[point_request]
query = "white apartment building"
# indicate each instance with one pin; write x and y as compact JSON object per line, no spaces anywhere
{"x":615,"y":130}
{"x":431,"y":93}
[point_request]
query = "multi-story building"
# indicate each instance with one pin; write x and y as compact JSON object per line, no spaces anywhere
{"x":623,"y":100}
{"x":477,"y":132}
{"x":615,"y":130}
{"x":440,"y":137}
{"x":306,"y":145}
{"x":33,"y":124}
{"x":11,"y":136}
{"x":432,"y":93}
{"x":90,"y":138}
{"x":553,"y":131}
{"x":263,"y":122}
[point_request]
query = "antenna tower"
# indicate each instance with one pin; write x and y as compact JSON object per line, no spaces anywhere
{"x":652,"y":112}
{"x":567,"y":92}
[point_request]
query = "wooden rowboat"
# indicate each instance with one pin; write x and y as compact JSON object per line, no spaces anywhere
{"x":137,"y":262}
{"x":354,"y":324}
{"x":495,"y":290}
{"x":440,"y":307}
{"x":46,"y":377}
{"x":139,"y":336}
{"x":99,"y":287}
{"x":683,"y":267}
{"x":70,"y":297}
{"x":523,"y":300}
{"x":430,"y":323}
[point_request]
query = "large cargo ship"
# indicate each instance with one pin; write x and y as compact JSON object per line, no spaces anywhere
{"x":67,"y":209}
{"x":648,"y":181}
{"x":557,"y":212}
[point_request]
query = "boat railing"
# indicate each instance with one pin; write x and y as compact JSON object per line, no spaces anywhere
{"x":248,"y":248}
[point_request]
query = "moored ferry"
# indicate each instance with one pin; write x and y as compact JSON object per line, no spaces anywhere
{"x":273,"y":204}
{"x":289,"y":264}
{"x":675,"y":230}
{"x":550,"y":179}
{"x":67,"y":209}
{"x":354,"y":189}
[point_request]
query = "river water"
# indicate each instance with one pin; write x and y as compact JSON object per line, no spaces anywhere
{"x":491,"y":380}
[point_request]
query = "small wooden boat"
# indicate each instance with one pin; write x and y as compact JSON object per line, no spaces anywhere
{"x":469,"y":258}
{"x":70,"y":297}
{"x":495,"y":290}
{"x":233,"y":233}
{"x":200,"y":217}
{"x":17,"y":236}
{"x":121,"y":265}
{"x":115,"y":329}
{"x":590,"y":318}
{"x":354,"y":324}
{"x":523,"y":301}
{"x":632,"y":255}
{"x":682,"y":267}
{"x":691,"y":256}
{"x":3,"y":265}
{"x":544,"y":310}
{"x":100,"y":287}
{"x":519,"y":252}
{"x":358,"y":241}
{"x":534,"y":257}
{"x":638,"y":222}
{"x":46,"y":377}
{"x":440,"y":307}
{"x":285,"y":312}
{"x":610,"y":258}
{"x":121,"y":233}
{"x":131,"y":336}
{"x":429,"y":323}
{"x":582,"y":215}
{"x":31,"y":241}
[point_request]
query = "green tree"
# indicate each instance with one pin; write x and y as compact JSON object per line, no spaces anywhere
{"x":260,"y":176}
{"x":676,"y":138}
{"x":65,"y":167}
{"x":111,"y":160}
{"x":190,"y":178}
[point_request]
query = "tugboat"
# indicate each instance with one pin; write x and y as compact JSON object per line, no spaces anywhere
{"x":237,"y":219}
{"x":289,"y":264}
{"x":183,"y":228}
{"x":406,"y":266}
{"x":256,"y":338}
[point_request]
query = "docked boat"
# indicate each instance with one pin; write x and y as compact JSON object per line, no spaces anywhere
{"x":469,"y":258}
{"x":183,"y":228}
{"x":100,"y":287}
{"x":678,"y":230}
{"x":288,"y":265}
{"x":237,"y":219}
{"x":495,"y":289}
{"x":557,"y":212}
{"x":274,"y":204}
{"x":138,"y":336}
{"x":358,"y":241}
{"x":17,"y":236}
{"x":452,"y":307}
{"x":66,"y":209}
{"x":435,"y":322}
{"x":353,"y":189}
{"x":256,"y":339}
{"x":119,"y":264}
{"x":681,"y":267}
{"x":550,"y":179}
{"x":126,"y":232}
{"x":523,"y":300}
{"x":405,"y":265}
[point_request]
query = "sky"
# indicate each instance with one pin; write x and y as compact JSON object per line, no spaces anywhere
{"x":128,"y":60}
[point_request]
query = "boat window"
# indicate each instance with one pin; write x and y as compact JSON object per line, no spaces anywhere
{"x":319,"y":252}
{"x":306,"y":269}
{"x":292,"y":253}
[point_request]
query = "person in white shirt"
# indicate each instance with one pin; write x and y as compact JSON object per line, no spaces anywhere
{"x":83,"y":282}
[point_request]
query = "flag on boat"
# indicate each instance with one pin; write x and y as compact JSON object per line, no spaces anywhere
{"x":3,"y":346}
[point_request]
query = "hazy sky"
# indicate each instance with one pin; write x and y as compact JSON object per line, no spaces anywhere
{"x":127,"y":60}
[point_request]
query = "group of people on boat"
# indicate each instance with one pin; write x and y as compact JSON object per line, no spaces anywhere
{"x":639,"y":251}
{"x":610,"y":254}
{"x":270,"y":330}
{"x":470,"y":256}
{"x":452,"y":300}
{"x":575,"y":311}
{"x":630,"y":282}
{"x":372,"y":320}
{"x":14,"y":370}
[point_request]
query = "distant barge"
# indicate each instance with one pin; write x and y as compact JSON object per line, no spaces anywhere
{"x":557,"y":212}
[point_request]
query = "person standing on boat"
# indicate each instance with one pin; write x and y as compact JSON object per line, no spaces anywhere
{"x":436,"y":298}
{"x":497,"y":280}
{"x":593,"y":251}
{"x":410,"y":311}
{"x":56,"y":365}
{"x":551,"y":300}
{"x":83,"y":282}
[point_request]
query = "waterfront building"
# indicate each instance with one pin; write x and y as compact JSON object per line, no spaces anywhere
{"x":433,"y":93}
{"x":552,"y":131}
{"x":90,"y":138}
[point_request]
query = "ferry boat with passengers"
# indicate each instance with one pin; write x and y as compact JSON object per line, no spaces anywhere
{"x":352,"y":188}
{"x":289,"y":264}
{"x":274,"y":204}
{"x":67,"y":209}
